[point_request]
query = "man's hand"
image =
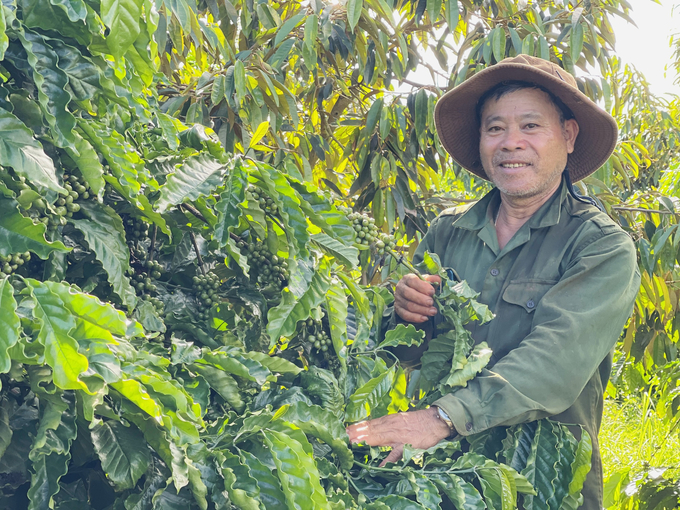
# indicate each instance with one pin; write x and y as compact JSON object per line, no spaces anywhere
{"x":421,"y":429}
{"x":413,"y":300}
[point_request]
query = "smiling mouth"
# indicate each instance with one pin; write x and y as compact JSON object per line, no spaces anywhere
{"x":514,"y":165}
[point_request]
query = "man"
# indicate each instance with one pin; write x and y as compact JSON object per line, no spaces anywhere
{"x":560,"y":276}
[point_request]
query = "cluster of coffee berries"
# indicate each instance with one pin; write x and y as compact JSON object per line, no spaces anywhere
{"x":314,"y":334}
{"x":206,"y":289}
{"x":385,"y":242}
{"x":156,"y":303}
{"x":79,"y":186}
{"x":270,"y":269}
{"x":364,"y":226}
{"x":10,"y":263}
{"x":136,"y":229}
{"x":260,"y":196}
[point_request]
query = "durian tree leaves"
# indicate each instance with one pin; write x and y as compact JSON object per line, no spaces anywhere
{"x":19,"y":234}
{"x":61,"y":349}
{"x":122,"y":451}
{"x":22,"y":152}
{"x":197,"y":177}
{"x":9,"y":325}
{"x":105,"y":236}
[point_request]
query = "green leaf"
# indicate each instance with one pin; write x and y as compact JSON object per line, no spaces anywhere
{"x":367,"y":397}
{"x":498,"y":43}
{"x":51,"y":82}
{"x":297,"y":472}
{"x":240,"y":80}
{"x":461,"y":373}
{"x":576,"y":42}
{"x":50,"y":458}
{"x":275,"y":364}
{"x":322,"y":424}
{"x":271,"y":492}
{"x":347,"y":255}
{"x":104,"y":234}
{"x":322,"y":386}
{"x":217,"y":93}
{"x":122,"y":452}
{"x":5,"y":429}
{"x":241,"y":486}
{"x":498,"y":489}
{"x":121,"y":157}
{"x":259,"y":133}
{"x":9,"y":325}
{"x":452,"y":14}
{"x":235,"y":363}
{"x":462,"y":494}
{"x":197,"y":177}
{"x":336,"y":310}
{"x":76,"y":10}
{"x":403,"y":335}
{"x":24,"y":154}
{"x":580,"y":468}
{"x":4,"y":40}
{"x":426,"y":491}
{"x":282,"y":319}
{"x":285,"y":197}
{"x":61,"y":350}
{"x":394,"y":502}
{"x":122,"y":17}
{"x":222,"y":383}
{"x":354,"y":8}
{"x":287,"y":27}
{"x":88,"y":163}
{"x":135,"y":392}
{"x":19,"y":234}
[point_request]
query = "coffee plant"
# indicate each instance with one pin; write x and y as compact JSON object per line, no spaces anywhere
{"x":181,"y":323}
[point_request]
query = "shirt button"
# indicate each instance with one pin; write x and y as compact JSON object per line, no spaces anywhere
{"x":530,"y":303}
{"x":495,"y":272}
{"x":468,"y":426}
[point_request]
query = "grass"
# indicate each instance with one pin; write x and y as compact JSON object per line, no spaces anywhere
{"x":634,"y":436}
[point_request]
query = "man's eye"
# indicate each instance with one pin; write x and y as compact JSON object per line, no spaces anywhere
{"x":493,"y":129}
{"x":531,"y":125}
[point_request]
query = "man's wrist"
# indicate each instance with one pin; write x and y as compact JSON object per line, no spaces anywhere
{"x":444,"y":418}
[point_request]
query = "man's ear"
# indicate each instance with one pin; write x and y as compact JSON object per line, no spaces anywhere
{"x":570,"y":132}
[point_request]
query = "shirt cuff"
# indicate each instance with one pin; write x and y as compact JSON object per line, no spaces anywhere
{"x":463,"y":420}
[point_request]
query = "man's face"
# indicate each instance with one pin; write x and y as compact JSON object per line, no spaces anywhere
{"x":523,"y":146}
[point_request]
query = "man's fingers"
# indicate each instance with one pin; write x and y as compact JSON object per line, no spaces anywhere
{"x":394,"y":455}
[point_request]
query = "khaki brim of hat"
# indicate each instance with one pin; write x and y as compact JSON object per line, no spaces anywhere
{"x":455,"y":114}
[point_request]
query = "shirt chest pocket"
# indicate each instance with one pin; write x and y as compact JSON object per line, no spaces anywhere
{"x":515,"y":314}
{"x":527,"y":293}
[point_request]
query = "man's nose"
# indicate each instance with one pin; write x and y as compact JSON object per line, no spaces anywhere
{"x":513,"y":139}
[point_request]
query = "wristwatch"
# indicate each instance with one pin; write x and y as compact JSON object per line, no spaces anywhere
{"x":441,"y":414}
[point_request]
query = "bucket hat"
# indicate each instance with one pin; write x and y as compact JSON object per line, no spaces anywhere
{"x":458,"y":129}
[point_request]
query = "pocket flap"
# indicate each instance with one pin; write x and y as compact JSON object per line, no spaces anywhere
{"x":527,"y":293}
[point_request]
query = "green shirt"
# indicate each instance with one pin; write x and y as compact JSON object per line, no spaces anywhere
{"x":562,"y":290}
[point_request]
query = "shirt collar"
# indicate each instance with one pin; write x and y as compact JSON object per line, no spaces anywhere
{"x":484,"y":211}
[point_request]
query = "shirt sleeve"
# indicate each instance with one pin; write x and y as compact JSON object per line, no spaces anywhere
{"x":576,"y":324}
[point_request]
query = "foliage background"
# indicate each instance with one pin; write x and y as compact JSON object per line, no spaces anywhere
{"x":150,"y":102}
